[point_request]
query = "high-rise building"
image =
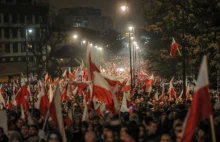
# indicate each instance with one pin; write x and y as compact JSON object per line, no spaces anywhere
{"x":22,"y":28}
{"x":86,"y":17}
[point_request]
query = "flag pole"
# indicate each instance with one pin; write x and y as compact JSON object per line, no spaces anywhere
{"x":212,"y":128}
{"x":179,"y":51}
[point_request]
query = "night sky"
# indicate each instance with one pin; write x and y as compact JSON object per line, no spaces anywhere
{"x":108,"y":8}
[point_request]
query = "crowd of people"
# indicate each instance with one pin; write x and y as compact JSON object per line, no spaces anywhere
{"x":146,"y":116}
{"x":144,"y":122}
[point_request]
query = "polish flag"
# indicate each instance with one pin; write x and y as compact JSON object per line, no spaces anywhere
{"x":150,"y":81}
{"x":127,"y":86}
{"x":21,"y":98}
{"x":162,"y":96}
{"x":172,"y":93}
{"x":56,"y":113}
{"x":148,"y":84}
{"x":124,"y":106}
{"x":101,"y":89}
{"x":85,"y":111}
{"x":91,"y":68}
{"x":43,"y":107}
{"x":174,"y":48}
{"x":40,"y":95}
{"x":156,"y":97}
{"x":2,"y":100}
{"x":201,"y":108}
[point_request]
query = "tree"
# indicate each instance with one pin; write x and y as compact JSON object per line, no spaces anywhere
{"x":201,"y":27}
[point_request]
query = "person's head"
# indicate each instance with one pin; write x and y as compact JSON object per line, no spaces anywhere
{"x":177,"y":121}
{"x":105,"y":130}
{"x":96,"y":120}
{"x":32,"y":130}
{"x":90,"y":137}
{"x":15,"y":137}
{"x":142,"y":131}
{"x":165,"y":138}
{"x":19,"y":123}
{"x":77,"y":121}
{"x":109,"y":136}
{"x":178,"y":132}
{"x":84,"y":127}
{"x":90,"y":127}
{"x":24,"y":130}
{"x":177,"y":129}
{"x":132,"y":131}
{"x":151,"y":126}
{"x":54,"y":137}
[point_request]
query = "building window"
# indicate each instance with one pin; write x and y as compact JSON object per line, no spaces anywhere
{"x":18,"y":18}
{"x":23,"y":47}
{"x":11,"y":59}
{"x":6,"y":17}
{"x":7,"y":48}
{"x":15,"y":48}
{"x":22,"y":18}
{"x":2,"y":48}
{"x":19,"y":58}
{"x":3,"y":59}
{"x":14,"y":32}
{"x":6,"y":30}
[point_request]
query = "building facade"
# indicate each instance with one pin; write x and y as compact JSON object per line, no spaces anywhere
{"x":86,"y":17}
{"x":22,"y":31}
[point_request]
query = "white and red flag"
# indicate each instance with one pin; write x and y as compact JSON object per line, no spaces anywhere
{"x":148,"y":84}
{"x":174,"y":48}
{"x":56,"y":113}
{"x":172,"y":93}
{"x":201,"y":108}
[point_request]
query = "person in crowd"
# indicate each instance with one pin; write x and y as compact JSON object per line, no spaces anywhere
{"x":33,"y":133}
{"x":165,"y":138}
{"x":15,"y":137}
{"x":54,"y":136}
{"x":151,"y":127}
{"x":142,"y":133}
{"x":19,"y":123}
{"x":24,"y":132}
{"x":3,"y":137}
{"x":90,"y":137}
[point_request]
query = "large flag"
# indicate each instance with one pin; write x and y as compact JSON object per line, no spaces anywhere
{"x":21,"y":98}
{"x":56,"y":113}
{"x":101,"y":89}
{"x":174,"y":48}
{"x":201,"y":104}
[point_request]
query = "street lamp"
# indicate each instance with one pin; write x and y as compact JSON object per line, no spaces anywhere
{"x":82,"y":42}
{"x":75,"y":36}
{"x":27,"y":51}
{"x":124,"y":8}
{"x":30,"y":31}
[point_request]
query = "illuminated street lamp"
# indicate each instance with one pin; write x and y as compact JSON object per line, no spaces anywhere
{"x":82,"y":43}
{"x":30,"y":31}
{"x":124,"y":8}
{"x":131,"y":28}
{"x":75,"y":36}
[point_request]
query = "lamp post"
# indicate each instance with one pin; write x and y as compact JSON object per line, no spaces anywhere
{"x":129,"y":38}
{"x":81,"y":50}
{"x":27,"y":50}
